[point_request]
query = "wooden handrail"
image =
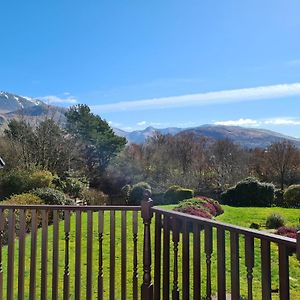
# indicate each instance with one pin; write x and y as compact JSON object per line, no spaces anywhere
{"x":290,"y":242}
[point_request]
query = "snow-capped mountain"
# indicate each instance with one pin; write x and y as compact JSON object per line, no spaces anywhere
{"x":10,"y":102}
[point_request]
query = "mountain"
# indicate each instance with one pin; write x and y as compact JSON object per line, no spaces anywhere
{"x":246,"y":137}
{"x":13,"y":107}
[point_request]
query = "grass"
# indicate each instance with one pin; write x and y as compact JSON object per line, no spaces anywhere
{"x":239,"y":216}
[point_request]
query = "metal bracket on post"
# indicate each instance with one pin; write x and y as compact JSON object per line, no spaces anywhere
{"x":298,"y":245}
{"x":147,"y":214}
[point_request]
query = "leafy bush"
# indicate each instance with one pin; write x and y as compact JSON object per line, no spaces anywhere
{"x":20,"y":181}
{"x":288,"y":232}
{"x":94,"y":197}
{"x":40,"y":179}
{"x":72,"y":184}
{"x":249,"y":192}
{"x":292,"y":196}
{"x":52,"y":197}
{"x":275,"y":221}
{"x":21,"y":199}
{"x":175,"y":194}
{"x":137,"y":193}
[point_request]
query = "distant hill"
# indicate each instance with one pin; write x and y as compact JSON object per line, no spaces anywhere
{"x":246,"y":137}
{"x":14,"y":107}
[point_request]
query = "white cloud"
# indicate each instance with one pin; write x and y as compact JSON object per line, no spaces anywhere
{"x":142,"y":123}
{"x":281,"y":121}
{"x":56,"y":99}
{"x":219,"y":97}
{"x":240,"y":122}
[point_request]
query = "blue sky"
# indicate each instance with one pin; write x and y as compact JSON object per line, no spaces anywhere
{"x":160,"y":63}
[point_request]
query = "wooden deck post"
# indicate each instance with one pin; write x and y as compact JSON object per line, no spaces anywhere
{"x":298,"y":245}
{"x":147,"y":214}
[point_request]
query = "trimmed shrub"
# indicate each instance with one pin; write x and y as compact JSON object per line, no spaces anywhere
{"x":290,"y":232}
{"x":52,"y":197}
{"x":23,"y":199}
{"x":292,"y":196}
{"x":175,"y":194}
{"x":275,"y":221}
{"x":195,"y":212}
{"x":94,"y":197}
{"x":137,"y":193}
{"x":200,"y":204}
{"x":249,"y":192}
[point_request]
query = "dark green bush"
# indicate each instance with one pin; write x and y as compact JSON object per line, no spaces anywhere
{"x":279,"y":201}
{"x":292,"y":196}
{"x":249,"y":192}
{"x":174,"y":194}
{"x":275,"y":221}
{"x":52,"y":197}
{"x":137,"y":193}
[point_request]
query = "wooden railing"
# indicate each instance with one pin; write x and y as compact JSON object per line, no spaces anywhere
{"x":45,"y":255}
{"x":197,"y":237}
{"x":66,"y":264}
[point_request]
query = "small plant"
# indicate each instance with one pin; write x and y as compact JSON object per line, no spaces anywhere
{"x":290,"y":232}
{"x":254,"y":226}
{"x":275,"y":221}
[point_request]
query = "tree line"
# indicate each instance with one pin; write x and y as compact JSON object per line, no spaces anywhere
{"x":88,"y":145}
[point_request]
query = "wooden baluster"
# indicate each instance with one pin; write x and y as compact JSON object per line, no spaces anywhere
{"x":208,"y":252}
{"x":235,"y":265}
{"x":284,"y":279}
{"x":157,"y":258}
{"x":185,"y":260}
{"x":298,"y":245}
{"x":166,"y":258}
{"x":147,"y":286}
{"x":67,"y":256}
{"x":78,"y":256}
{"x":89,"y":258}
{"x":11,"y":253}
{"x":21,"y":271}
{"x":124,"y":254}
{"x":135,"y":256}
{"x":266,"y":269}
{"x":2,"y":221}
{"x":44,"y":255}
{"x":175,"y":239}
{"x":112,"y":256}
{"x":197,"y":261}
{"x":33,"y":255}
{"x":55,"y":255}
{"x":100,"y":253}
{"x":249,"y":262}
{"x":221,"y":264}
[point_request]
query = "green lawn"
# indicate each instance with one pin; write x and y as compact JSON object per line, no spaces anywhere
{"x":239,"y":216}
